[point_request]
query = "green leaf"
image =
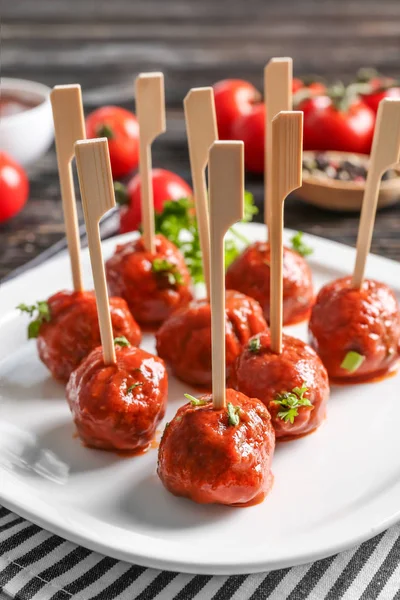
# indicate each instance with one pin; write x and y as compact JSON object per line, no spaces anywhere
{"x":179,"y":217}
{"x":122,"y":341}
{"x":166,"y":269}
{"x":233,"y":414}
{"x":250,"y":209}
{"x":299,"y":246}
{"x":41,"y":313}
{"x":196,"y":401}
{"x":133,"y":386}
{"x":255,"y":345}
{"x":291,"y":402}
{"x":352,"y":361}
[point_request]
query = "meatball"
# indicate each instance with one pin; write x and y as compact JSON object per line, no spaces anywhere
{"x":118,"y":406}
{"x":293,"y":385}
{"x":250,"y":274}
{"x":207,"y":457}
{"x":366,"y":321}
{"x":154,"y":285}
{"x":184,"y":340}
{"x":73,"y":330}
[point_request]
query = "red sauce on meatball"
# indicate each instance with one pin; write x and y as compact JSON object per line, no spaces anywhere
{"x":205,"y":458}
{"x":152,"y":295}
{"x":73,"y":330}
{"x":118,"y":406}
{"x":250,"y":274}
{"x":261,"y":373}
{"x":184,"y":340}
{"x":366,"y":321}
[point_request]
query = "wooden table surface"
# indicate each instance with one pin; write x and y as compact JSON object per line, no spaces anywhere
{"x":103,"y":45}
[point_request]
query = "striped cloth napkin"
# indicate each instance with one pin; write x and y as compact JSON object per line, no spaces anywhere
{"x":36,"y":565}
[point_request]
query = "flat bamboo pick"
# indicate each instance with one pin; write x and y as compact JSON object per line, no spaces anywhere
{"x":150,"y":111}
{"x":97,"y":193}
{"x":202,"y":132}
{"x":287,"y":154}
{"x":385,"y":153}
{"x":69,"y":126}
{"x":278,"y":75}
{"x":226,"y":190}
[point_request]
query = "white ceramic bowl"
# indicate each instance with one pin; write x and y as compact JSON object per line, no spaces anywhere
{"x":28,"y":134}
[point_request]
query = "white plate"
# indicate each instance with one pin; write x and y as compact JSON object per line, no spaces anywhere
{"x":333,"y":489}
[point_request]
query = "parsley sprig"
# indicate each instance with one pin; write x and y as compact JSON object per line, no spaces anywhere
{"x":299,"y":245}
{"x":167,"y":269}
{"x":255,"y":345}
{"x":233,"y":414}
{"x":179,"y":216}
{"x":41,"y":313}
{"x":290,"y":402}
{"x":122,"y":341}
{"x":196,"y":401}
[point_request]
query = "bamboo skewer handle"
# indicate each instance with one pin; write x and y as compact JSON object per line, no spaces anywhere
{"x":97,"y":192}
{"x":202,"y":132}
{"x":69,"y":126}
{"x":385,"y":152}
{"x":226,"y":190}
{"x":150,"y":109}
{"x":287,"y":150}
{"x":278,"y":75}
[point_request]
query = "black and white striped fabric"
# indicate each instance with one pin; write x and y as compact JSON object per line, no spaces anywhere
{"x":36,"y":565}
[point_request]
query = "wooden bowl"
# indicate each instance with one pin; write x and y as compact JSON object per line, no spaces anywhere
{"x":337,"y":195}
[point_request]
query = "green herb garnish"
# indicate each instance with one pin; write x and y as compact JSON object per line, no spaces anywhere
{"x":352,"y":361}
{"x":178,"y":223}
{"x":255,"y":345}
{"x":233,"y":414}
{"x":299,"y":246}
{"x":133,"y":386}
{"x":122,"y":341}
{"x":196,"y":401}
{"x":291,"y":402}
{"x":163,"y":267}
{"x":41,"y":313}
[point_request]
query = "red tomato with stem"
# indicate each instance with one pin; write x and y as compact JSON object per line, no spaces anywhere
{"x":329,"y":127}
{"x":121,"y":128}
{"x":374,"y":87}
{"x":166,"y":186}
{"x":14,"y":187}
{"x":233,"y":99}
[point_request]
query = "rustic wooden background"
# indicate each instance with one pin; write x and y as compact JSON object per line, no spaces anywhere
{"x":103,"y":44}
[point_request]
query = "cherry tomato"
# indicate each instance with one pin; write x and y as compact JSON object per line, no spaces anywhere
{"x":14,"y":187}
{"x":233,"y":99}
{"x":326,"y":127}
{"x":166,"y":186}
{"x":372,"y":100}
{"x":122,"y":130}
{"x":250,"y":129}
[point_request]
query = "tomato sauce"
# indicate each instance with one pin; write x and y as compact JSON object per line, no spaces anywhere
{"x":13,"y":103}
{"x":206,"y":458}
{"x":184,"y":340}
{"x":250,"y":274}
{"x":118,"y":407}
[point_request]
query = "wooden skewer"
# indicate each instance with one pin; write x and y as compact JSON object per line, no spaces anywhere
{"x":69,"y":126}
{"x":97,"y":193}
{"x":385,"y":153}
{"x":226,"y":190}
{"x":202,"y":132}
{"x":150,"y":111}
{"x":287,"y":154}
{"x":278,"y":75}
